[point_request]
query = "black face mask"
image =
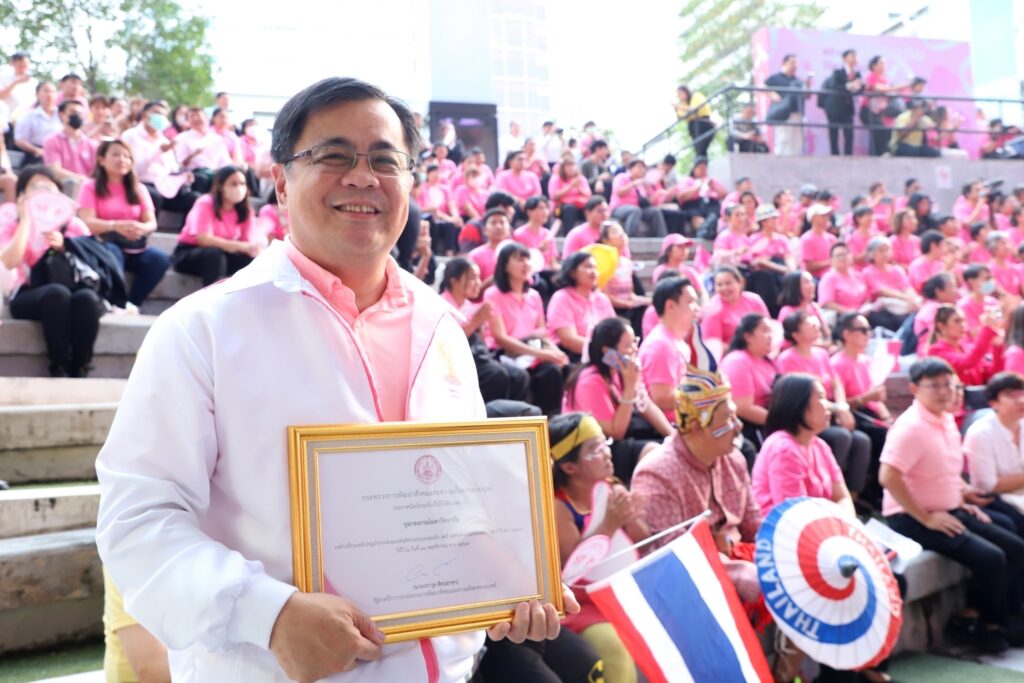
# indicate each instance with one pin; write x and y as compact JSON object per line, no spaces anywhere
{"x":75,"y":121}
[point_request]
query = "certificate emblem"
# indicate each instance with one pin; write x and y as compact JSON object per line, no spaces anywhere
{"x":427,"y":469}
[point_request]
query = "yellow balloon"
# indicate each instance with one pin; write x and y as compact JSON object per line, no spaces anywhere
{"x":607,"y":259}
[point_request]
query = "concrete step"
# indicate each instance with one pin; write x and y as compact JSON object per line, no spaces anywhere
{"x":23,"y":350}
{"x":36,"y":510}
{"x":164,"y":241}
{"x":640,"y":248}
{"x":51,"y":589}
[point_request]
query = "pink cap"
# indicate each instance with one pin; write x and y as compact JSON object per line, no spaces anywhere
{"x":671,"y":240}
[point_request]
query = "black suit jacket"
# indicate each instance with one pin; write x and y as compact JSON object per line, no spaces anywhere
{"x":841,"y":104}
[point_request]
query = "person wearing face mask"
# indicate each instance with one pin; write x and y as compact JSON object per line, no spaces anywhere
{"x":155,"y":162}
{"x":71,"y":153}
{"x":215,"y":241}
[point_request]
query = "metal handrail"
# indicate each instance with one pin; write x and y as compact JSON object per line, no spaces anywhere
{"x":731,"y":90}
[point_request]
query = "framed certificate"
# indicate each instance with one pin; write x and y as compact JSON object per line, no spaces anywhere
{"x":430,"y":529}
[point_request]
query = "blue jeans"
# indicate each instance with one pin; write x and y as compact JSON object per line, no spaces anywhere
{"x":149,"y":268}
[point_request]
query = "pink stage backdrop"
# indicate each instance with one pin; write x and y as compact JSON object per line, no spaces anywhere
{"x":946,"y":65}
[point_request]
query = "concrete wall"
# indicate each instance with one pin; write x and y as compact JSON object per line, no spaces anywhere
{"x":850,"y":176}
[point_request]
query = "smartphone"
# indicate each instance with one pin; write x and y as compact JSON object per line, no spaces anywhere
{"x":614,"y":359}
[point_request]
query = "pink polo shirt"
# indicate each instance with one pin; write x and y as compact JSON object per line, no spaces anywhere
{"x":568,"y":308}
{"x":579,"y":237}
{"x":534,"y":239}
{"x":848,"y":291}
{"x":731,"y":241}
{"x":522,"y":186}
{"x":631,"y":198}
{"x":977,"y":253}
{"x":891,"y":276}
{"x":854,"y":374}
{"x":650,"y":320}
{"x":816,"y":365}
{"x":762,"y":246}
{"x":926,"y":449}
{"x":270,"y":222}
{"x":577,"y":196}
{"x":663,"y":358}
{"x":592,"y":394}
{"x":786,"y":469}
{"x":719,"y":320}
{"x":115,"y":206}
{"x":749,"y":376}
{"x":905,"y":248}
{"x":810,"y":308}
{"x":486,"y":258}
{"x":922,"y":269}
{"x":468,"y":308}
{"x":1013,"y":359}
{"x":815,"y":247}
{"x":684,"y":271}
{"x":432,"y":197}
{"x":857,"y":241}
{"x":475,"y":197}
{"x":202,"y":220}
{"x":522,"y":314}
{"x":74,"y":156}
{"x":381,"y":331}
{"x":972,"y":310}
{"x":1008,"y":277}
{"x":962,"y":210}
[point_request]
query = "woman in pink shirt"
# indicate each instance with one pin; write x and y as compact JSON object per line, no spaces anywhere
{"x":620,"y":288}
{"x":119,"y":211}
{"x":841,"y":289}
{"x":750,"y":373}
{"x":974,"y":364}
{"x":888,"y":285}
{"x":721,"y":316}
{"x":794,"y":461}
{"x":673,"y":256}
{"x":471,"y":197}
{"x":569,"y":190}
{"x":517,"y":181}
{"x":906,"y":246}
{"x":970,"y":207}
{"x":578,"y":306}
{"x":273,"y":219}
{"x":978,"y":299}
{"x":220,"y":124}
{"x":252,"y":148}
{"x":816,"y":242}
{"x":215,"y":241}
{"x":438,"y":205}
{"x":610,"y":387}
{"x":534,"y":236}
{"x":851,"y":447}
{"x":634,"y":202}
{"x":1004,"y":270}
{"x":1013,"y":356}
{"x":70,"y":319}
{"x":532,"y":160}
{"x":517,"y":327}
{"x":797,"y":294}
{"x":860,"y":234}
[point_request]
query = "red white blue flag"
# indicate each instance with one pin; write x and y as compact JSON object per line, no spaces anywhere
{"x":680,"y":617}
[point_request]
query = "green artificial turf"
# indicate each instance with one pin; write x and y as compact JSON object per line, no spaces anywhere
{"x":38,"y":665}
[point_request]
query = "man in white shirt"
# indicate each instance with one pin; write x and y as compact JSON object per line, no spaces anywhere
{"x":201,"y":150}
{"x":551,"y":144}
{"x":195,"y":520}
{"x":154,"y":159}
{"x":512,"y":141}
{"x":18,"y":88}
{"x":38,"y":124}
{"x":995,"y":450}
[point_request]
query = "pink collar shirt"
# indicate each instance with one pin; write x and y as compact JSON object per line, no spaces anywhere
{"x":579,"y":237}
{"x":785,"y":469}
{"x":846,"y":290}
{"x":75,"y":156}
{"x":569,"y":308}
{"x":522,"y":314}
{"x":486,"y":258}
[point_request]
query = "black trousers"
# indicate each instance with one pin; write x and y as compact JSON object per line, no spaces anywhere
{"x":994,"y":555}
{"x":571,"y":216}
{"x":209,"y":263}
{"x":501,"y":381}
{"x":566,"y":659}
{"x":546,"y":384}
{"x":852,"y":450}
{"x":698,"y":127}
{"x":71,"y":321}
{"x":181,"y":202}
{"x":843,"y":122}
{"x":444,"y":237}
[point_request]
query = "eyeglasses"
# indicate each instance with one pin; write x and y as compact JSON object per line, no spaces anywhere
{"x":596,"y":449}
{"x":341,"y":159}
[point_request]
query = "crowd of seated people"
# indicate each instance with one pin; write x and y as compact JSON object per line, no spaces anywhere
{"x":754,"y":289}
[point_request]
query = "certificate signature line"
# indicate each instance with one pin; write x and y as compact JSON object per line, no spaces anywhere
{"x":421,"y":571}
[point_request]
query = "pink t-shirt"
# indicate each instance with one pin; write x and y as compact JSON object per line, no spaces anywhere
{"x":1013,"y":359}
{"x":202,"y":220}
{"x":854,"y":374}
{"x":857,"y":241}
{"x":475,"y":197}
{"x":978,"y":254}
{"x":621,"y":284}
{"x":76,"y":157}
{"x":926,"y":449}
{"x":1008,"y":277}
{"x":650,"y":320}
{"x":522,"y":315}
{"x":534,"y":239}
{"x":592,"y":394}
{"x":115,"y":206}
{"x":37,"y":244}
{"x":577,"y":196}
{"x":816,"y":365}
{"x":631,"y":198}
{"x":719,"y":320}
{"x":810,"y":308}
{"x":749,"y":376}
{"x":848,"y":291}
{"x":891,"y":276}
{"x":972,"y":310}
{"x":762,"y":246}
{"x":468,"y":308}
{"x":922,"y":269}
{"x":684,"y":271}
{"x":522,"y":186}
{"x":383,"y":330}
{"x":486,"y":258}
{"x":568,"y":308}
{"x":731,"y":241}
{"x":815,"y":247}
{"x":433,"y":197}
{"x":663,"y":358}
{"x":270,"y":222}
{"x":785,"y":469}
{"x":962,"y":210}
{"x":579,"y":237}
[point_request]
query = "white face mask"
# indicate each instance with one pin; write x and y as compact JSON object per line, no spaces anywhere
{"x":234,"y":194}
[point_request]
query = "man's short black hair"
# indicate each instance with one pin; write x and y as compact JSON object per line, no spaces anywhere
{"x":67,"y":103}
{"x":152,"y":104}
{"x":929,"y":239}
{"x":848,"y":51}
{"x":1003,"y":381}
{"x":291,"y":120}
{"x":219,"y":95}
{"x":498,"y":199}
{"x":596,"y":145}
{"x":929,"y":367}
{"x":667,"y":290}
{"x":594,"y":202}
{"x":71,"y":77}
{"x":908,"y":182}
{"x":533,"y":202}
{"x":493,"y":212}
{"x":974,"y":271}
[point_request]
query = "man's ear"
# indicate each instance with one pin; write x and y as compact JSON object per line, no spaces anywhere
{"x":277,"y":172}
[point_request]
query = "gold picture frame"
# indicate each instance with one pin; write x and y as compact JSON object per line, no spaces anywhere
{"x":473,"y":469}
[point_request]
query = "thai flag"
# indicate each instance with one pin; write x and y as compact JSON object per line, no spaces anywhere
{"x":680,"y":617}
